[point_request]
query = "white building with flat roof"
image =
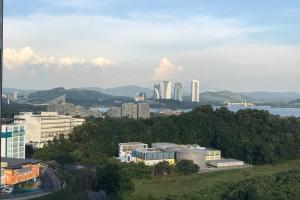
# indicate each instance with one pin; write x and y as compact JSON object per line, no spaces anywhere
{"x":127,"y":148}
{"x":45,"y":126}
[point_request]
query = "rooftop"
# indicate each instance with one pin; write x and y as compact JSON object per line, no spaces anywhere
{"x":224,"y":160}
{"x":131,"y":143}
{"x":17,"y":163}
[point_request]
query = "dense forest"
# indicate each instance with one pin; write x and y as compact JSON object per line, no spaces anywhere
{"x":253,"y":136}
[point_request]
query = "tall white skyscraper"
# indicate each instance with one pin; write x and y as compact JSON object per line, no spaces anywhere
{"x":156,"y":92}
{"x":166,"y":90}
{"x":195,"y":90}
{"x":178,"y":91}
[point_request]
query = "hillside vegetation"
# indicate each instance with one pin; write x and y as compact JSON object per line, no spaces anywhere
{"x":280,"y":181}
{"x":253,"y":136}
{"x":75,"y":96}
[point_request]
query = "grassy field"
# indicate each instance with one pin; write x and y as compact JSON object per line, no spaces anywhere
{"x":179,"y":185}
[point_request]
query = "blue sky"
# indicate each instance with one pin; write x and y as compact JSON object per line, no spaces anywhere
{"x":213,"y":41}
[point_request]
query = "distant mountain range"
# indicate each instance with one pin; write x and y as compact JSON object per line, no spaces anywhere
{"x":221,"y":97}
{"x":126,"y":93}
{"x":75,"y":96}
{"x":20,"y":91}
{"x":272,"y":97}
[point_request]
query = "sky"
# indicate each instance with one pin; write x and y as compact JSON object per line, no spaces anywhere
{"x":242,"y":46}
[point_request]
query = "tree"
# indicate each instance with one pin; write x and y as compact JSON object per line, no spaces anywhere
{"x":187,"y":167}
{"x":112,"y":179}
{"x":164,"y":169}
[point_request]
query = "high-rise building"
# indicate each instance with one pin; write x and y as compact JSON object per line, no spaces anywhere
{"x":129,"y":110}
{"x":13,"y":141}
{"x":166,"y":90}
{"x":143,"y":110}
{"x":156,"y":92}
{"x":178,"y":91}
{"x":114,"y":112}
{"x":44,"y":127}
{"x":195,"y":91}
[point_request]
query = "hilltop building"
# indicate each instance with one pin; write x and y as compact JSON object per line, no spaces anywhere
{"x":174,"y":153}
{"x":140,"y":97}
{"x":44,"y":127}
{"x":151,"y":156}
{"x":125,"y":149}
{"x":195,"y":91}
{"x":13,"y":141}
{"x":178,"y":91}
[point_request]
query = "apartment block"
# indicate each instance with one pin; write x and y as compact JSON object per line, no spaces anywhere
{"x":129,"y":110}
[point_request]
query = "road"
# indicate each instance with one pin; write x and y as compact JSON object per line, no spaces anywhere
{"x":50,"y":182}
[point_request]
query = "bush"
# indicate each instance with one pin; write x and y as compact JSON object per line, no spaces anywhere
{"x":187,"y":167}
{"x":164,"y":169}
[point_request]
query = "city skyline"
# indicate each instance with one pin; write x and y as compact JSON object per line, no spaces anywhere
{"x":225,"y":47}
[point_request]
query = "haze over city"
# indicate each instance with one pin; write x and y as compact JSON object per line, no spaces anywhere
{"x":232,"y":45}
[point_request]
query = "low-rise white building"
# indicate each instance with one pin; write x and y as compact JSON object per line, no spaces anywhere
{"x":225,"y":163}
{"x":126,"y":148}
{"x":45,"y":126}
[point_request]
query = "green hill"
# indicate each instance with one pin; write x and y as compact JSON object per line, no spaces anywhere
{"x":221,"y":97}
{"x":262,"y":182}
{"x":76,"y":96}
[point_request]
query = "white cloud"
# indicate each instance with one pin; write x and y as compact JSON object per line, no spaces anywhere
{"x":166,"y":70}
{"x":21,"y":58}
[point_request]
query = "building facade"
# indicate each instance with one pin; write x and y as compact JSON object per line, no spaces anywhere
{"x":178,"y":91}
{"x":166,"y":90}
{"x":129,"y":110}
{"x":114,"y":112}
{"x":156,"y":92}
{"x":13,"y":141}
{"x":140,"y":97}
{"x":73,"y":110}
{"x":143,"y":110}
{"x":152,"y":156}
{"x":14,"y":171}
{"x":195,"y":91}
{"x":44,"y":127}
{"x":127,"y":148}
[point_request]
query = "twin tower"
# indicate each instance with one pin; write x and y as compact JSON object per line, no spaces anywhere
{"x":163,"y":90}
